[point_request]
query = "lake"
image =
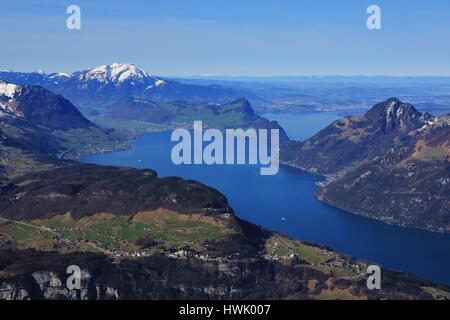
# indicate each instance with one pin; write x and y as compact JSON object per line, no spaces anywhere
{"x":285,"y":202}
{"x":301,"y":126}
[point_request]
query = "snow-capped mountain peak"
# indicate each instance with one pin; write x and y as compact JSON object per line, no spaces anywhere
{"x":8,"y":93}
{"x":114,"y":73}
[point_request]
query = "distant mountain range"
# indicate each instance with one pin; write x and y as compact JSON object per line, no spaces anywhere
{"x":392,"y":163}
{"x":98,"y":90}
{"x":106,"y":86}
{"x":126,"y":94}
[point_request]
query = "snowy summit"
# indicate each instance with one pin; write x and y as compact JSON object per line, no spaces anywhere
{"x":115,"y":73}
{"x":8,"y":90}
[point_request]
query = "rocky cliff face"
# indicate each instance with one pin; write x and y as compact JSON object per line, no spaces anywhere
{"x":12,"y":291}
{"x":39,"y":275}
{"x":49,"y":285}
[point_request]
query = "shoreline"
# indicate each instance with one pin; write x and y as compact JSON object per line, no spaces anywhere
{"x":348,"y":211}
{"x":369,"y":216}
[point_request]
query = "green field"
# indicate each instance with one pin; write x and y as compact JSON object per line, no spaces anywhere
{"x":315,"y":257}
{"x":122,"y":233}
{"x":27,"y":237}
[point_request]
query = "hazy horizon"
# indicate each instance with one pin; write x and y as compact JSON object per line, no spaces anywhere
{"x":227,"y":76}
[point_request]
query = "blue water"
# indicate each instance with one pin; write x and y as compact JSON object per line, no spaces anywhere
{"x":265,"y":200}
{"x":301,"y":126}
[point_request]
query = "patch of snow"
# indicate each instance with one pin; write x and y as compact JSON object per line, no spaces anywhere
{"x":8,"y":89}
{"x":389,"y":109}
{"x":400,"y":112}
{"x":61,"y":75}
{"x":391,"y":105}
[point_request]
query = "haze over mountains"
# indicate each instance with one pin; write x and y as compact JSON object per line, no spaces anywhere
{"x":117,"y":83}
{"x":98,"y":89}
{"x":124,"y":95}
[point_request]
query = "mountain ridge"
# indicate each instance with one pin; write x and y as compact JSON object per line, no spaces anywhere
{"x":389,"y":164}
{"x":110,"y":84}
{"x":38,"y":127}
{"x":407,"y":185}
{"x":41,"y":107}
{"x":354,"y":139}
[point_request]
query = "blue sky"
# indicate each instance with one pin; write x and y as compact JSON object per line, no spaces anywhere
{"x":229,"y":37}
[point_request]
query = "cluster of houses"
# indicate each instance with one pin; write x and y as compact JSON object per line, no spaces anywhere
{"x":135,"y":254}
{"x":182,"y":253}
